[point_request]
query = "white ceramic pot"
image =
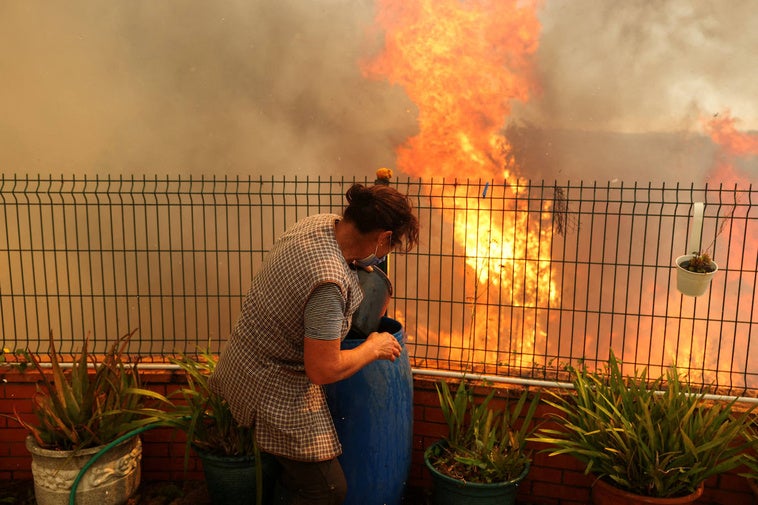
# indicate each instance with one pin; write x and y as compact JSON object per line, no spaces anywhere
{"x":111,"y":479}
{"x":692,"y":283}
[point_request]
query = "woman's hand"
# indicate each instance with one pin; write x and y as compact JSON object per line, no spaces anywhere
{"x":385,"y":345}
{"x":325,"y":362}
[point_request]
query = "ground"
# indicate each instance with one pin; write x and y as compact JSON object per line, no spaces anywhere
{"x":151,"y":493}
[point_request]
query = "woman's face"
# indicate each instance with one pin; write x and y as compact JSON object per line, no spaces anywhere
{"x":377,"y":245}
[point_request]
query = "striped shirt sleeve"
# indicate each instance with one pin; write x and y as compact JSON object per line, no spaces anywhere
{"x":324,"y":313}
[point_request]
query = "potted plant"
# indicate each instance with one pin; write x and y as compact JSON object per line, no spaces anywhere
{"x":483,"y":457}
{"x":82,"y":439}
{"x":228,"y":451}
{"x":694,"y":273}
{"x":646,"y":441}
{"x":751,"y":456}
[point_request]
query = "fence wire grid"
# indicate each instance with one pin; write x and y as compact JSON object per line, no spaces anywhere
{"x":512,"y":278}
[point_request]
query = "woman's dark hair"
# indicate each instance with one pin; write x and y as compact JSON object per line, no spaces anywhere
{"x":381,"y":207}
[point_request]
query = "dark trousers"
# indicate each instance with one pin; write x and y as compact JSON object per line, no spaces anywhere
{"x":319,"y":483}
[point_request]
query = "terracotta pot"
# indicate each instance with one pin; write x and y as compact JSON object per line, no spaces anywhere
{"x":692,"y":283}
{"x":754,"y":486}
{"x":606,"y":494}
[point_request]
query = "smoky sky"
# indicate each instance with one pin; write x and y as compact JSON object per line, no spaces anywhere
{"x":274,"y":87}
{"x":646,"y":65}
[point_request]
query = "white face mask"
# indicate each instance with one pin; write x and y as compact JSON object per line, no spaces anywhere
{"x":372,"y":260}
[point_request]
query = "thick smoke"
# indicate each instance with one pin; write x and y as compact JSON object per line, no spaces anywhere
{"x":228,"y":87}
{"x":627,"y":85}
{"x":644,"y":65}
{"x":274,"y":87}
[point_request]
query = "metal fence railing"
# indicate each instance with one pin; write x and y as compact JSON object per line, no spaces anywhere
{"x":515,"y":279}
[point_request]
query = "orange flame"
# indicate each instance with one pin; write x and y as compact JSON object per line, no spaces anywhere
{"x":462,"y":63}
{"x":734,"y":145}
{"x":712,"y":360}
{"x":723,"y":132}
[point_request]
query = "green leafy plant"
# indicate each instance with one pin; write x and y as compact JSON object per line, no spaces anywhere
{"x":203,"y":414}
{"x":652,"y":438}
{"x":750,"y":456}
{"x":483,"y":444}
{"x":80,"y":407}
{"x":206,"y":418}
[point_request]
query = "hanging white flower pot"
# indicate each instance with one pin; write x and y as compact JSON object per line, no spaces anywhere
{"x":693,"y":283}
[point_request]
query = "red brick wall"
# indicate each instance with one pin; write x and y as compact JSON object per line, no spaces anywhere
{"x":162,"y":449}
{"x":558,"y":480}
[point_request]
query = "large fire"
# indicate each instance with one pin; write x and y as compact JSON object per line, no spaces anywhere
{"x":724,"y":133}
{"x":462,"y":63}
{"x":732,"y":145}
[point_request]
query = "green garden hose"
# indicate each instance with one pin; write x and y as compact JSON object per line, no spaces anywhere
{"x":137,"y":431}
{"x":106,"y":448}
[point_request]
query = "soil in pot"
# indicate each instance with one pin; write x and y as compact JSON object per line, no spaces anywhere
{"x":450,"y":491}
{"x":692,"y":283}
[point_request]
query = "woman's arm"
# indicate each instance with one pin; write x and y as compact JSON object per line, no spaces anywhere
{"x":325,"y":362}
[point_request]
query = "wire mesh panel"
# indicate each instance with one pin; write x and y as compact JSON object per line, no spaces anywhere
{"x":523,"y":279}
{"x":170,"y":257}
{"x":517,"y":278}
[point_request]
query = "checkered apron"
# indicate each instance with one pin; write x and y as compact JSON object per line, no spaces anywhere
{"x":261,"y":372}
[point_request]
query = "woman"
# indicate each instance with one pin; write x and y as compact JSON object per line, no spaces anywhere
{"x":286,"y":343}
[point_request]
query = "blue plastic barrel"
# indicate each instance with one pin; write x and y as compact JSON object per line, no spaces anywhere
{"x":373,"y":415}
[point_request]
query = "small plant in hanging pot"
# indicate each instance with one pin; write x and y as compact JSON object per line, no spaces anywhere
{"x":699,"y":263}
{"x":694,"y":273}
